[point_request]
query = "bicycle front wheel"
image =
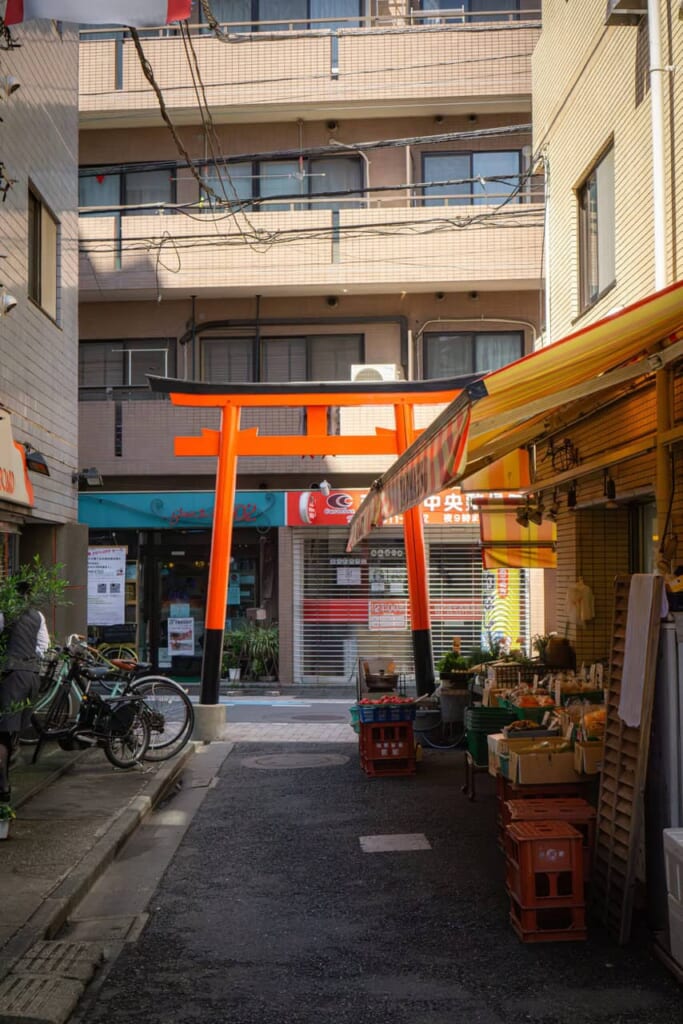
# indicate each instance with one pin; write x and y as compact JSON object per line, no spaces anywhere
{"x":127,"y":750}
{"x":171,"y":718}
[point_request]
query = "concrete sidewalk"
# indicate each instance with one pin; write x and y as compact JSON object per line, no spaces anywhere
{"x":74,"y":812}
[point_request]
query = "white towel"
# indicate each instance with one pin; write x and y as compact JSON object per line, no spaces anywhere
{"x":640,"y":598}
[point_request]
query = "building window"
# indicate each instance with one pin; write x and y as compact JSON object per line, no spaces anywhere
{"x":227,"y":360}
{"x":43,"y":255}
{"x":462,"y":179}
{"x":454,"y":355}
{"x":477,"y":10}
{"x":320,"y":357}
{"x":596,"y":232}
{"x":111,"y":369}
{"x":131,"y":188}
{"x":281,"y":184}
{"x":278,"y":15}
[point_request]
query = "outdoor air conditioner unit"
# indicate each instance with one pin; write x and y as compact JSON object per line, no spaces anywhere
{"x":375,"y":371}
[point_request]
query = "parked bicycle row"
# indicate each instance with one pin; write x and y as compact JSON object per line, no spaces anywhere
{"x":85,"y":699}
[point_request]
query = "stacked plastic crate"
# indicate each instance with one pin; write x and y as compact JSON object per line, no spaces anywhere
{"x":673,"y":857}
{"x":386,"y":740}
{"x":544,"y":879}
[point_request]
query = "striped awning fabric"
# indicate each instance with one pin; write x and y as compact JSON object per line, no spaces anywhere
{"x":507,"y":544}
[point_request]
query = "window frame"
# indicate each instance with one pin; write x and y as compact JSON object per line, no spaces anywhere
{"x":309,"y":22}
{"x":589,"y":252}
{"x":471,"y":337}
{"x":470,"y":198}
{"x":43,"y":255}
{"x":121,"y":175}
{"x":289,"y":201}
{"x":127,"y":347}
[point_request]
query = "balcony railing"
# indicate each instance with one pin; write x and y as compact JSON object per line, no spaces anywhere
{"x":377,"y":59}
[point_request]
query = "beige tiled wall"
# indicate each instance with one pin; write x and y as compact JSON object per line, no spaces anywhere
{"x":39,"y":378}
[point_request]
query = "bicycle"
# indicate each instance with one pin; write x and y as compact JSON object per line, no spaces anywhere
{"x":173,"y":722}
{"x":120,"y":725}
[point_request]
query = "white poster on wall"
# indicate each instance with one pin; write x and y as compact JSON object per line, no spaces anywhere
{"x":106,"y":585}
{"x":181,"y":636}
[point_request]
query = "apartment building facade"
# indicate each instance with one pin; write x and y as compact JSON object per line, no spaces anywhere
{"x":39,"y":309}
{"x":607,"y":122}
{"x":359,"y":203}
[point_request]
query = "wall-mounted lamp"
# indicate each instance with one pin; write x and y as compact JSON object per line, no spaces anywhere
{"x":91,"y":477}
{"x":522,"y":515}
{"x":536,"y":514}
{"x":571,"y":497}
{"x":35,"y":461}
{"x":554,"y":510}
{"x":7,"y":302}
{"x":8,"y":85}
{"x":610,"y":491}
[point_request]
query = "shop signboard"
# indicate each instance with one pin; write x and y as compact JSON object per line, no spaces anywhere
{"x":15,"y":485}
{"x":313,"y":508}
{"x":171,"y":510}
{"x":387,"y":615}
{"x":106,"y":585}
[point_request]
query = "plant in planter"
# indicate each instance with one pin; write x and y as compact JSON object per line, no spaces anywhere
{"x":232,"y":650}
{"x":47,"y":588}
{"x":7,"y":815}
{"x":453,"y":667}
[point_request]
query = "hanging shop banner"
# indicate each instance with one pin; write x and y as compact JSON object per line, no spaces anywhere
{"x":508,"y":543}
{"x":106,"y":585}
{"x":181,"y":636}
{"x":387,"y":615}
{"x":313,"y":508}
{"x":15,"y":485}
{"x":174,"y":510}
{"x":502,"y":619}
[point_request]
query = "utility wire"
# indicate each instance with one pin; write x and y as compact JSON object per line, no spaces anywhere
{"x":313,"y":151}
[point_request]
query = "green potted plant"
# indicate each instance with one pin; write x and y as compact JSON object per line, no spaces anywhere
{"x":453,"y":667}
{"x":47,"y":588}
{"x":232,"y":650}
{"x":7,"y":815}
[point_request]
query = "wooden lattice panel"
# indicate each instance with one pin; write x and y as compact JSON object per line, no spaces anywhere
{"x":620,"y":805}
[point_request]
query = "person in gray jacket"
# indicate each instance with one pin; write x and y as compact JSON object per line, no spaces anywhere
{"x":19,"y":681}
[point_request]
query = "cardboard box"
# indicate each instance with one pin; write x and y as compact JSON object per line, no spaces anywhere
{"x":588,"y":758}
{"x":494,"y":740}
{"x":547,"y":766}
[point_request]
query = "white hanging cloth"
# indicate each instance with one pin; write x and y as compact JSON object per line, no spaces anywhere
{"x":580,"y":603}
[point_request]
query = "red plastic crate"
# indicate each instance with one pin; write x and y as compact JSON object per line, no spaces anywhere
{"x":544,"y":863}
{"x":382,"y":740}
{"x":393,"y":766}
{"x":577,"y":812}
{"x":548,"y":924}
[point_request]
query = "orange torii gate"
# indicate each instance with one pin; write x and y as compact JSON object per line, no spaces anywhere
{"x":230,"y":441}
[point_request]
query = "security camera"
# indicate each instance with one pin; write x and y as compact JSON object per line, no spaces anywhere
{"x":332,"y":126}
{"x":438,"y":118}
{"x":325,"y":487}
{"x":472,"y":118}
{"x":7,"y":303}
{"x":332,"y":301}
{"x":474,"y":296}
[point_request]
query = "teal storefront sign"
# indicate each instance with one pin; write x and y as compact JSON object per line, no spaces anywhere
{"x":175,"y":510}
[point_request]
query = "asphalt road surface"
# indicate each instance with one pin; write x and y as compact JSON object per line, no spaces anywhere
{"x":273,"y":912}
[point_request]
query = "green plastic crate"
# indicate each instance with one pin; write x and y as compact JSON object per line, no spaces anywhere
{"x":477,"y":744}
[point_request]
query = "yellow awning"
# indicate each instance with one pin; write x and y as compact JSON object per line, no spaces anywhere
{"x":505,"y":543}
{"x":634,"y":342}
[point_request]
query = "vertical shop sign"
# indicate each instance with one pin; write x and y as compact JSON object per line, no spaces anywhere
{"x":106,"y":590}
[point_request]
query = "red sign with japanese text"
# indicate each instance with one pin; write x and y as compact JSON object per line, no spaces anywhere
{"x":313,"y":508}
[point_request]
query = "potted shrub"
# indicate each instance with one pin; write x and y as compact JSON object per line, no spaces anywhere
{"x":7,"y":815}
{"x":232,"y":651}
{"x":454,"y":668}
